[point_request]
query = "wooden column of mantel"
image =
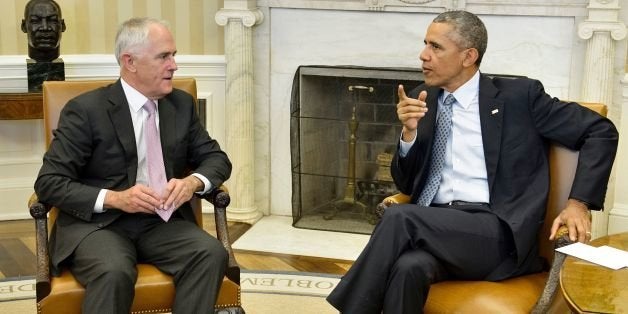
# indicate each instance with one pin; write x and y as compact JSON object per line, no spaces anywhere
{"x":21,"y":106}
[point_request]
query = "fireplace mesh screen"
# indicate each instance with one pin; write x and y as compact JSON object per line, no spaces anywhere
{"x":344,"y":130}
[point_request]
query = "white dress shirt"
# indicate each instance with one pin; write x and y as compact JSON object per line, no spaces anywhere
{"x":136,"y":101}
{"x":464,"y":175}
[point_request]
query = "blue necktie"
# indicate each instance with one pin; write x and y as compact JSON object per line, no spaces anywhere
{"x":443,"y":129}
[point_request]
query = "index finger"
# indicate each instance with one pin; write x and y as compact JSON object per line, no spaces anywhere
{"x":555,"y":225}
{"x":173,"y":192}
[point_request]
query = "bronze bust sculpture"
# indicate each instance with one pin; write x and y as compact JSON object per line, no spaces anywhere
{"x":43,"y":24}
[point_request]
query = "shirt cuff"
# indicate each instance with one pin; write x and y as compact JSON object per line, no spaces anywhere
{"x":100,"y":202}
{"x":404,"y":147}
{"x":206,"y":182}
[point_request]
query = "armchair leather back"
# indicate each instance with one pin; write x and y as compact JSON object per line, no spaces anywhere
{"x":57,"y":93}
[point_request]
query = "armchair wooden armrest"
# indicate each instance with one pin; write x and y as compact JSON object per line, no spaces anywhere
{"x":553,"y":274}
{"x":220,"y":198}
{"x":39,"y":212}
{"x":398,"y":198}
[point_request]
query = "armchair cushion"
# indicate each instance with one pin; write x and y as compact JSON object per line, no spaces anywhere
{"x":508,"y":296}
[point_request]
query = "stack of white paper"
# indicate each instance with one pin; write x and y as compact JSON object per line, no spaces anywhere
{"x":604,"y":255}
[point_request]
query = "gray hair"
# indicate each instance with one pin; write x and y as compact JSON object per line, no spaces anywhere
{"x":468,"y":32}
{"x":133,"y":34}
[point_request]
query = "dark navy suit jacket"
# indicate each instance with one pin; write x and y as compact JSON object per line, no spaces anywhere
{"x":518,"y":120}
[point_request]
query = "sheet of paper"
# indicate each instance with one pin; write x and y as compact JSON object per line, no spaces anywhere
{"x":605,"y":255}
{"x":620,"y":255}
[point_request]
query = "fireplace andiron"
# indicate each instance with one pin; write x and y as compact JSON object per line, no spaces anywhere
{"x":350,"y":201}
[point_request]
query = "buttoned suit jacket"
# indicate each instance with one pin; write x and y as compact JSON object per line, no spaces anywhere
{"x":94,"y":148}
{"x":518,"y":121}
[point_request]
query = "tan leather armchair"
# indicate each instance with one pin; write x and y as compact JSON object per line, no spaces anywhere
{"x":154,"y":290}
{"x":534,"y":293}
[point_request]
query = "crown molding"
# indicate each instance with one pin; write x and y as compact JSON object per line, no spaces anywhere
{"x":483,"y":7}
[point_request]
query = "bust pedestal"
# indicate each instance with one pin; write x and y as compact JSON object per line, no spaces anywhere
{"x":38,"y":72}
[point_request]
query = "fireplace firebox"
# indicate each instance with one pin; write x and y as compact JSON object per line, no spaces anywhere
{"x":344,"y":130}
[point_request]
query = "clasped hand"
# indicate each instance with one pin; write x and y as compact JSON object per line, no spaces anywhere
{"x":142,"y":199}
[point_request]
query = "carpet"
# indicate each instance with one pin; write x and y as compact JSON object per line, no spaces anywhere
{"x":262,"y":292}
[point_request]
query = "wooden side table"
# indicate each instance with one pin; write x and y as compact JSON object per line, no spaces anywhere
{"x":21,"y":106}
{"x":591,"y":288}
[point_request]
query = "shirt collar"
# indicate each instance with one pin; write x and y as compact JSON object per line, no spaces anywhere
{"x":135,"y":99}
{"x":466,"y":93}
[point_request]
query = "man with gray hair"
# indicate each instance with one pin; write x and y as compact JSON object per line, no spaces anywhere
{"x":473,"y":157}
{"x":118,"y":170}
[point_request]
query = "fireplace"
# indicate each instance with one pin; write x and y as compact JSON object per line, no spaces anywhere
{"x":344,"y":130}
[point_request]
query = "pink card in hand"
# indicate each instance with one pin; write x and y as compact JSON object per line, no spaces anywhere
{"x":165,"y":213}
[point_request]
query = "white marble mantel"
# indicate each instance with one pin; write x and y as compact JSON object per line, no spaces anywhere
{"x":538,"y":39}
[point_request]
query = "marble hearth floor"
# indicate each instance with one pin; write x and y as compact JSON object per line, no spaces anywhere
{"x":275,"y":234}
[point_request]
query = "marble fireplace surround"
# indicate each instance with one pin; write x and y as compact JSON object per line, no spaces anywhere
{"x":548,"y":40}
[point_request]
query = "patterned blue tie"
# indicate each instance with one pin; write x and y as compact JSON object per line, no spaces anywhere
{"x":443,"y":129}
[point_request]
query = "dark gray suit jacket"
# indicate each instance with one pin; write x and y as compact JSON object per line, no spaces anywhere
{"x":94,"y":148}
{"x":518,"y":121}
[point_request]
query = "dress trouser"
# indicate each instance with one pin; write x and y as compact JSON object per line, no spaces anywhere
{"x":414,"y":246}
{"x":105,"y":263}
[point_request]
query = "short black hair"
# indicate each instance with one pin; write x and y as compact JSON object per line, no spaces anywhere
{"x":469,"y":30}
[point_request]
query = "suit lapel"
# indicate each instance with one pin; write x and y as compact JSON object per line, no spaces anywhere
{"x":121,"y":119}
{"x":426,"y":126}
{"x":167,"y":133}
{"x":491,"y":120}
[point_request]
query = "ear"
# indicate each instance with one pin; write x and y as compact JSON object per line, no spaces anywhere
{"x":24,"y":26}
{"x":62,"y":25}
{"x":127,"y":61}
{"x":471,"y":56}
